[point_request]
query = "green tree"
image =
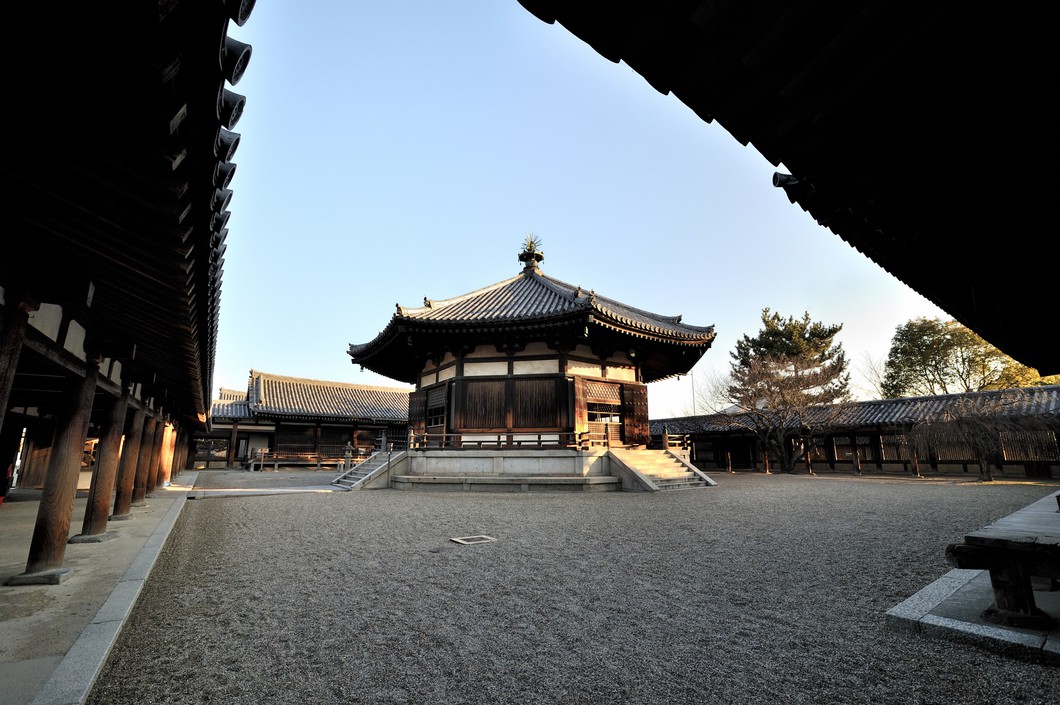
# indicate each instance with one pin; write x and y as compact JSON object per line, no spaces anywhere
{"x":789,"y":382}
{"x":929,"y":356}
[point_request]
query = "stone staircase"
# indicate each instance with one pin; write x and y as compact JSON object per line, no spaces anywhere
{"x":356,"y":475}
{"x":665,"y":470}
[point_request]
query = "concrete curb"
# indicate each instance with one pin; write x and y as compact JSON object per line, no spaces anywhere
{"x":75,"y":675}
{"x":926,"y":612}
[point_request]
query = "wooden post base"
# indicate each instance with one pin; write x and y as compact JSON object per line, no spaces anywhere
{"x":44,"y":577}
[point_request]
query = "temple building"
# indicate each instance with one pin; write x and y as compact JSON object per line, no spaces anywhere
{"x":527,"y":369}
{"x":294,"y":420}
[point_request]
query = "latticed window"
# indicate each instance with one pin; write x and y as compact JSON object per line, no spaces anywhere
{"x":211,"y":448}
{"x":603,"y":392}
{"x":1029,"y":445}
{"x":604,"y":413}
{"x":894,"y":447}
{"x":436,"y":408}
{"x":296,"y":440}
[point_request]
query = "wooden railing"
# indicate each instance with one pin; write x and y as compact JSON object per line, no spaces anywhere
{"x":480,"y":441}
{"x":264,"y":456}
{"x":665,"y":441}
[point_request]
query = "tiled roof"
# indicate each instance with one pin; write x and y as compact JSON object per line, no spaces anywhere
{"x":532,"y":295}
{"x":230,"y":408}
{"x":278,"y":396}
{"x":1028,"y":401}
{"x":532,"y":307}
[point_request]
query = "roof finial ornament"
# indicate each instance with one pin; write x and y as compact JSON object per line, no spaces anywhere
{"x":531,"y":254}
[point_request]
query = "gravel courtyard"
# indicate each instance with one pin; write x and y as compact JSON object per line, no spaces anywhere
{"x":764,"y":589}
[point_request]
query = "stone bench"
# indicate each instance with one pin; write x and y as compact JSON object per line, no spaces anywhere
{"x":1015,"y":549}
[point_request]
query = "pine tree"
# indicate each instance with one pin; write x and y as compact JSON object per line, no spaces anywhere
{"x":789,"y":382}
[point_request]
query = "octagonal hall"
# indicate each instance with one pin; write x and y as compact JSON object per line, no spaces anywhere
{"x":530,"y":364}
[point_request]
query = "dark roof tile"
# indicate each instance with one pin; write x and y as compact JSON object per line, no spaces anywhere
{"x":279,"y":396}
{"x":1030,"y":401}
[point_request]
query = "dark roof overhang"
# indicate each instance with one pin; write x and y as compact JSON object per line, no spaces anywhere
{"x":117,"y":180}
{"x":918,"y":133}
{"x":403,"y":347}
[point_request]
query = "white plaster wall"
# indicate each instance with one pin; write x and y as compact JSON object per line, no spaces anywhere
{"x":75,"y":340}
{"x":479,"y":369}
{"x":535,"y":367}
{"x":428,"y":379}
{"x":447,"y":373}
{"x":482,"y":351}
{"x":582,"y":369}
{"x":256,"y":441}
{"x":537,"y":349}
{"x":625,"y":374}
{"x":47,"y":320}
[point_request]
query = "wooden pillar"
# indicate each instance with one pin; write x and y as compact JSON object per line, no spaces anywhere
{"x":169,"y":451}
{"x":233,"y":442}
{"x":156,"y":455}
{"x":143,"y":461}
{"x":27,"y":471}
{"x":16,"y":316}
{"x":185,"y":451}
{"x":101,"y":490}
{"x":10,"y":439}
{"x":51,"y":531}
{"x":130,"y":453}
{"x":316,"y":442}
{"x":179,"y":444}
{"x":161,"y":468}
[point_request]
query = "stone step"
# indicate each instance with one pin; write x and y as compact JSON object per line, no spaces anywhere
{"x":497,"y":483}
{"x":674,"y":476}
{"x":680,"y":485}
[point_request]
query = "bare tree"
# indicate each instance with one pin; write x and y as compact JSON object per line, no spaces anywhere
{"x":709,"y":393}
{"x":983,"y":424}
{"x":873,"y":373}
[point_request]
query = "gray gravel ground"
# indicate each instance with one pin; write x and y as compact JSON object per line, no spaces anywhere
{"x":764,"y":589}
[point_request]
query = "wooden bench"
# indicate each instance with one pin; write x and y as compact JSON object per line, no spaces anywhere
{"x":1014,"y":549}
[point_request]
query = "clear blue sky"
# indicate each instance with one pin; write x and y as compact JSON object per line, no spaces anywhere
{"x":395,"y":150}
